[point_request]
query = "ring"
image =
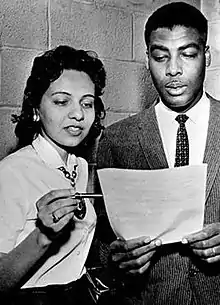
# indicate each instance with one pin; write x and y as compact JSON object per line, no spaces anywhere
{"x":213,"y":252}
{"x":55,"y":218}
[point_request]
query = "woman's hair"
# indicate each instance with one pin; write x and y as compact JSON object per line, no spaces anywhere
{"x":174,"y":14}
{"x":45,"y":70}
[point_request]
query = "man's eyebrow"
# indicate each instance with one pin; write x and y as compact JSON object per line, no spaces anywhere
{"x":158,"y":47}
{"x":189,"y":45}
{"x":181,"y":48}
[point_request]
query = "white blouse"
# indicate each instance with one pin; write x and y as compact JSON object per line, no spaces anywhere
{"x":26,"y":176}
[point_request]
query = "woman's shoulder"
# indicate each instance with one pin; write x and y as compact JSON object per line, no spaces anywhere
{"x":18,"y":158}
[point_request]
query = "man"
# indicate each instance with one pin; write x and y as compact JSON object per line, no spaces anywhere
{"x":187,"y":272}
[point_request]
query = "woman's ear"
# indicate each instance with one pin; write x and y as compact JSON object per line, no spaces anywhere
{"x":207,"y":56}
{"x":147,"y":60}
{"x":36,"y":116}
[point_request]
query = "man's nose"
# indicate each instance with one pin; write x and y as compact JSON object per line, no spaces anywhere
{"x":76,"y":112}
{"x":174,"y":67}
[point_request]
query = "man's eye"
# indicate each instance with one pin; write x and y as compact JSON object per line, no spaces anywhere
{"x":189,"y":55}
{"x":160,"y":58}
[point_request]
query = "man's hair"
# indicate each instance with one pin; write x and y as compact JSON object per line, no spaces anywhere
{"x":174,"y":14}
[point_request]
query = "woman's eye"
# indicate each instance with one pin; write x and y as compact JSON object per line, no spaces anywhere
{"x":60,"y":102}
{"x":87,"y":104}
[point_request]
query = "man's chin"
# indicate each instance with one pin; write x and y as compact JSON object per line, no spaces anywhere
{"x":177,"y":104}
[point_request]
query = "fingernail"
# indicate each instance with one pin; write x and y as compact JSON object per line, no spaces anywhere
{"x":158,"y":242}
{"x":184,"y":241}
{"x":147,"y":240}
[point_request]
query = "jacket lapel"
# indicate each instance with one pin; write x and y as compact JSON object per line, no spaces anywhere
{"x":150,"y":139}
{"x":212,"y":150}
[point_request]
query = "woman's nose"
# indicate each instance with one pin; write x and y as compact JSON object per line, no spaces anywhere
{"x":76,"y":112}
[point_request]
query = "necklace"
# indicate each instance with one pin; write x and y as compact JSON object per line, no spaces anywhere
{"x":72,"y":176}
{"x":80,"y":212}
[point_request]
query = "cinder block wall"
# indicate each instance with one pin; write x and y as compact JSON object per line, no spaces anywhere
{"x":113,"y":28}
{"x":211,"y":8}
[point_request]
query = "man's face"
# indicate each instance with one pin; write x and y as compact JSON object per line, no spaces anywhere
{"x":177,"y":59}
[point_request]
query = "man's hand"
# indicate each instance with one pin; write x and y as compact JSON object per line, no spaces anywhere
{"x":205,"y":243}
{"x":133,"y":256}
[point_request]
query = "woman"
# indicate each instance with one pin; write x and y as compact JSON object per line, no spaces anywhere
{"x":45,"y":231}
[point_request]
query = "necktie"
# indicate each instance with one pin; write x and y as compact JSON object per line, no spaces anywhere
{"x":182,"y":142}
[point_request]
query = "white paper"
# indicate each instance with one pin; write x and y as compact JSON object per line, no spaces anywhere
{"x":166,"y":204}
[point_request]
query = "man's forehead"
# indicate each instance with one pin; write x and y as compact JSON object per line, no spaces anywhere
{"x":178,"y":35}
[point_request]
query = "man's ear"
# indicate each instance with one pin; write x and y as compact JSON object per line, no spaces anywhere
{"x":147,"y":59}
{"x":207,"y":56}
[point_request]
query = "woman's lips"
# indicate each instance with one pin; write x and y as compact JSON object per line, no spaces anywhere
{"x":74,"y":130}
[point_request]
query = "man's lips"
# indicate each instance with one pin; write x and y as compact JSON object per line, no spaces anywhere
{"x":174,"y":85}
{"x":175,"y":88}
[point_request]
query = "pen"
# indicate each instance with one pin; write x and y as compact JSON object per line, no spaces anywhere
{"x":79,"y":196}
{"x":86,"y":195}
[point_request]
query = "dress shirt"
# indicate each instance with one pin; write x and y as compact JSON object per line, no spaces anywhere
{"x":196,"y":125}
{"x":25,"y":177}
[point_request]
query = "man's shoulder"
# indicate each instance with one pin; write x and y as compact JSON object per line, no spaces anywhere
{"x":213,"y":100}
{"x":125,"y":125}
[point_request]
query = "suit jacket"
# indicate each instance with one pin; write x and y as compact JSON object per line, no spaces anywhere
{"x":175,"y":276}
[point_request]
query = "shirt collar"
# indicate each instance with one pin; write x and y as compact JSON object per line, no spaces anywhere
{"x":194,"y":113}
{"x":50,"y":156}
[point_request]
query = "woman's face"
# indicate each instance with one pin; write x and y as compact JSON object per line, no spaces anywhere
{"x":67,"y":110}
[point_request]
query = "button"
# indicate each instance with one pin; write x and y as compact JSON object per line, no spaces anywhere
{"x":78,"y":253}
{"x":193,"y":272}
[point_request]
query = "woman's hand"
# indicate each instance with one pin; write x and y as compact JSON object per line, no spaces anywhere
{"x":205,"y":244}
{"x":55,"y":210}
{"x":133,"y":256}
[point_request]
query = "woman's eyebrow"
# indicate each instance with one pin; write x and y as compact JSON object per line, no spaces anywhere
{"x":88,"y":95}
{"x":61,"y":92}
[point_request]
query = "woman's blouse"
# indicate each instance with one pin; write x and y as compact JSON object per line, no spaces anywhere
{"x":27,"y":175}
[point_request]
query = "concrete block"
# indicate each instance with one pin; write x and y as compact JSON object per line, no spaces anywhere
{"x":134,"y":5}
{"x":24,"y":23}
{"x":7,"y":136}
{"x":106,"y":30}
{"x":139,"y":52}
{"x":15,"y":69}
{"x":214,"y":42}
{"x":211,"y":9}
{"x":129,"y":86}
{"x":212,"y":82}
{"x":196,"y":3}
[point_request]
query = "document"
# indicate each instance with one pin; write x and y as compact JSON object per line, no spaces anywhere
{"x":166,"y":204}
